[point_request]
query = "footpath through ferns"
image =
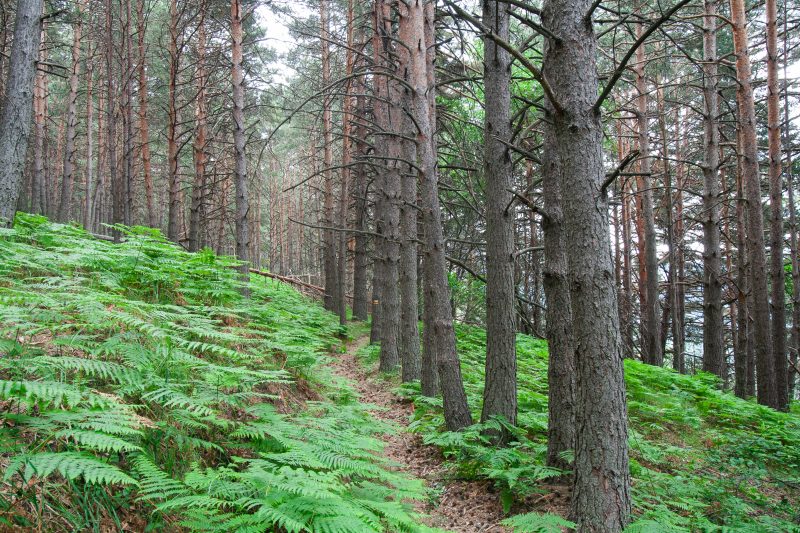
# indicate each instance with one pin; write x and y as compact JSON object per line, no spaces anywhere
{"x":460,"y":506}
{"x":140,"y":391}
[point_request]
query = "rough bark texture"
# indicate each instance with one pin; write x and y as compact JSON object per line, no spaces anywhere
{"x":15,"y":122}
{"x":410,"y":355}
{"x":713,"y":342}
{"x":437,"y":289}
{"x":561,"y":348}
{"x":200,"y":137}
{"x":175,"y":204}
{"x":601,"y":499}
{"x":242,"y":221}
{"x":328,"y":236}
{"x":360,"y":258}
{"x":500,"y":391}
{"x":777,"y":273}
{"x":144,"y":128}
{"x":759,"y":292}
{"x":651,"y":339}
{"x":70,"y":150}
{"x":388,"y":189}
{"x":117,"y":199}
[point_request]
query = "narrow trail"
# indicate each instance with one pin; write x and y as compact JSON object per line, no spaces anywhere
{"x":461,"y":506}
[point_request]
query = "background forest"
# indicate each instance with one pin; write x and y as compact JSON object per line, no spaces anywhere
{"x":568,"y":229}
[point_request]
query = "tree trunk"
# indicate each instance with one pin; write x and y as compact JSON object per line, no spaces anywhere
{"x":242,"y":221}
{"x":328,"y":237}
{"x":437,"y":288}
{"x":347,"y":159}
{"x":111,"y":126}
{"x":759,"y":292}
{"x":40,"y":132}
{"x":88,"y":206}
{"x":500,"y":391}
{"x":713,"y":341}
{"x":200,"y":138}
{"x":70,"y":150}
{"x":410,"y":354}
{"x":651,"y":343}
{"x":360,"y":259}
{"x":777,"y":273}
{"x":175,"y":203}
{"x":144,"y":128}
{"x":561,"y":348}
{"x":15,"y":122}
{"x":601,"y":499}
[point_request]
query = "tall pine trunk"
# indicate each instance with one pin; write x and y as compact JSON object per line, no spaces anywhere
{"x":767,"y":392}
{"x":601,"y":500}
{"x":500,"y":391}
{"x":713,"y":341}
{"x":15,"y":122}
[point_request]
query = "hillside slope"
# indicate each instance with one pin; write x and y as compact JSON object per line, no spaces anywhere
{"x":139,"y":391}
{"x":702,"y":459}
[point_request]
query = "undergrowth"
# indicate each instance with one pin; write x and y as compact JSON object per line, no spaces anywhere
{"x":140,"y":390}
{"x":701,"y":459}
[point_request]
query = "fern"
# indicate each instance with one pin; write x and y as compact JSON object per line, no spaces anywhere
{"x":538,"y":523}
{"x":70,"y":465}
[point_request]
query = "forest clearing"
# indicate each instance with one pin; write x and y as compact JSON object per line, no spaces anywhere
{"x":464,"y":266}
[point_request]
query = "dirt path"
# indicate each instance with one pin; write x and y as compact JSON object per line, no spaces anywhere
{"x":461,"y":506}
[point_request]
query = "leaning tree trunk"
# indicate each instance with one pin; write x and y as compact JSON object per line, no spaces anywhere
{"x":601,"y":500}
{"x":15,"y":122}
{"x":500,"y":391}
{"x":759,"y":292}
{"x":777,"y":273}
{"x":242,"y":221}
{"x":437,"y":289}
{"x":713,"y":342}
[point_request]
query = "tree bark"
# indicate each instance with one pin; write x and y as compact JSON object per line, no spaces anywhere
{"x":561,"y":347}
{"x":242,"y":221}
{"x":713,"y":341}
{"x":500,"y":390}
{"x":762,"y":333}
{"x":601,"y":499}
{"x":387,"y":188}
{"x":410,"y":354}
{"x":200,"y":137}
{"x":15,"y":122}
{"x":67,"y":176}
{"x":175,"y":204}
{"x":437,"y":289}
{"x":328,"y":237}
{"x":144,"y":128}
{"x":777,"y":273}
{"x":651,"y":343}
{"x":111,"y":127}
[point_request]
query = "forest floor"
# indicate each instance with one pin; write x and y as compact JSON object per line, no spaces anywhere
{"x":458,"y":506}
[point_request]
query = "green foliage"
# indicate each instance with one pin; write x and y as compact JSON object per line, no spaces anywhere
{"x":702,"y":459}
{"x":537,"y":523}
{"x":140,"y":369}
